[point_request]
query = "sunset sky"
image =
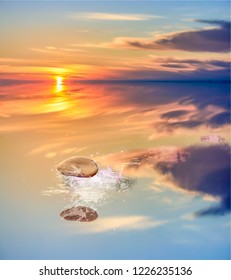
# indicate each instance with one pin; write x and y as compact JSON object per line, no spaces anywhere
{"x":61,"y":95}
{"x":116,"y":39}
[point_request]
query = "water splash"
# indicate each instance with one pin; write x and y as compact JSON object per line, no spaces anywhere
{"x":95,"y":191}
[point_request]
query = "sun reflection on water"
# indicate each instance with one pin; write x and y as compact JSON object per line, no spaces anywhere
{"x":62,"y":101}
{"x":59,"y":84}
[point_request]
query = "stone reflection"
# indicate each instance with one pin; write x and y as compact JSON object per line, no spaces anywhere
{"x":80,"y":213}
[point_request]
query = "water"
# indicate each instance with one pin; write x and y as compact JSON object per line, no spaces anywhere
{"x":152,"y":202}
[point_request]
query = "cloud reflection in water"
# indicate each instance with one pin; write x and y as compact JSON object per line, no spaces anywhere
{"x":206,"y":171}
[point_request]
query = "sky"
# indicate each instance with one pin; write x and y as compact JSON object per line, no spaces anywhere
{"x":157,"y":40}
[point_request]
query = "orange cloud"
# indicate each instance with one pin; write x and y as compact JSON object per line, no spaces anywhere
{"x":112,"y":16}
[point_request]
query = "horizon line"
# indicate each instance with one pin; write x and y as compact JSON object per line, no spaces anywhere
{"x":156,"y":81}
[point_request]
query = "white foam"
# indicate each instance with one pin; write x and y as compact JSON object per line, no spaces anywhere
{"x":94,"y":191}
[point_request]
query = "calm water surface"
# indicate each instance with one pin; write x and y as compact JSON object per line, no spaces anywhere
{"x":176,"y":205}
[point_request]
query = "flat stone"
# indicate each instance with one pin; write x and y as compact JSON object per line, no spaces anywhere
{"x":78,"y":167}
{"x":80,"y":214}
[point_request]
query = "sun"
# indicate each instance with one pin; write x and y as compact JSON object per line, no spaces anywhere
{"x":59,"y":80}
{"x":59,"y":83}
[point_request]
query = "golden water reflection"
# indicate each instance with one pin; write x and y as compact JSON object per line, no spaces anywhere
{"x":59,"y":84}
{"x":120,"y":119}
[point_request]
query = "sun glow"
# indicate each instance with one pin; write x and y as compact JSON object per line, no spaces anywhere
{"x":59,"y":84}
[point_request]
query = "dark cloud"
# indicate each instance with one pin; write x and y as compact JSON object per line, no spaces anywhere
{"x":221,"y":209}
{"x":173,"y":69}
{"x":214,"y":22}
{"x":174,"y":114}
{"x":205,"y":171}
{"x":184,"y":124}
{"x":189,"y":63}
{"x":175,"y":60}
{"x":199,"y":72}
{"x":179,"y":66}
{"x":220,"y":119}
{"x":216,"y":181}
{"x":214,"y":122}
{"x":213,"y":98}
{"x":197,"y":103}
{"x":215,"y":39}
{"x":15,"y":82}
{"x":153,"y":95}
{"x":218,"y":63}
{"x":216,"y":95}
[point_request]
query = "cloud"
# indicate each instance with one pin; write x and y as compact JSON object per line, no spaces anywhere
{"x":214,"y":39}
{"x":172,"y":69}
{"x":184,"y":124}
{"x":55,"y":51}
{"x":174,"y":66}
{"x":114,"y":17}
{"x":174,"y":109}
{"x":217,"y":120}
{"x":197,"y":104}
{"x":221,"y":209}
{"x":124,"y":223}
{"x":194,"y":102}
{"x":174,"y":114}
{"x":191,"y":64}
{"x":195,"y":119}
{"x":220,"y":119}
{"x":16,"y":82}
{"x":206,"y":171}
